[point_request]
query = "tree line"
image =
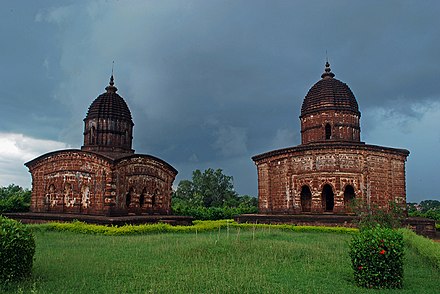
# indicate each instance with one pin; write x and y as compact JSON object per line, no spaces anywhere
{"x":14,"y":198}
{"x":211,"y":195}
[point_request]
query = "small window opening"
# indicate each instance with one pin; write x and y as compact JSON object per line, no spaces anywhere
{"x":328,"y":132}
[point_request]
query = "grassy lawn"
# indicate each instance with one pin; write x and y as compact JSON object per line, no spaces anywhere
{"x":234,"y":261}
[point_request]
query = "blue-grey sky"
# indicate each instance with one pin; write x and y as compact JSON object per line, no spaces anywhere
{"x":212,"y":83}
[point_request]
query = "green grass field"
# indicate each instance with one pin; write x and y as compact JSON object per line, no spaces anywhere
{"x":229,"y":261}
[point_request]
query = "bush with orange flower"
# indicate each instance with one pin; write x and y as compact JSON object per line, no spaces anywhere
{"x":377,"y":258}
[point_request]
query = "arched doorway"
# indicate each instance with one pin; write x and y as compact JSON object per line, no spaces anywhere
{"x":328,"y":198}
{"x":349,"y":196}
{"x":128,"y":198}
{"x":142,"y":198}
{"x":306,"y":199}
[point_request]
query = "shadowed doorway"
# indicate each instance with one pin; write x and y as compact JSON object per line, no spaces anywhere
{"x":328,"y":199}
{"x":306,"y":199}
{"x":348,"y":198}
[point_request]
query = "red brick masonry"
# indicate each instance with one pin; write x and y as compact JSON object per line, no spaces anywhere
{"x":82,"y":182}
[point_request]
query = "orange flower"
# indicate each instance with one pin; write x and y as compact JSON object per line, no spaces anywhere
{"x":382,"y":252}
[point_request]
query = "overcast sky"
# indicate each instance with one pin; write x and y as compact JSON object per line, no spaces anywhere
{"x":212,"y":83}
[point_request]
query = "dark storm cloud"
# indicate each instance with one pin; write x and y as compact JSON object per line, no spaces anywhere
{"x":212,"y":83}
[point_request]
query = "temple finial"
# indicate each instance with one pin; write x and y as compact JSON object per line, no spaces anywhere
{"x":111,"y":78}
{"x":327,"y":72}
{"x":111,"y":87}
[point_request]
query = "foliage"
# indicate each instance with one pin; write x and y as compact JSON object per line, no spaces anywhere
{"x":199,"y":226}
{"x":17,"y":248}
{"x":432,"y":214}
{"x":377,"y":258}
{"x":209,"y":196}
{"x":426,"y":208}
{"x":14,"y":198}
{"x":211,"y":213}
{"x":428,"y":249}
{"x":427,"y":205}
{"x":209,"y":189}
{"x":371,"y":216}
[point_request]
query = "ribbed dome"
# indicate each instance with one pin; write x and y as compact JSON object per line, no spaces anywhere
{"x":108,"y":127}
{"x":329,"y":94}
{"x":109,"y":105}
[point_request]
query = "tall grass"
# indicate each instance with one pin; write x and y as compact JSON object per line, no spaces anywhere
{"x":226,"y":260}
{"x":426,"y":248}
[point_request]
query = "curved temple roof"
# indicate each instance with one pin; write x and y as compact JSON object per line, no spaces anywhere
{"x":109,"y":105}
{"x":329,"y":93}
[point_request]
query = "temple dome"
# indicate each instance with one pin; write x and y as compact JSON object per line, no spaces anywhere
{"x":108,"y":127}
{"x":329,"y":94}
{"x":109,"y":105}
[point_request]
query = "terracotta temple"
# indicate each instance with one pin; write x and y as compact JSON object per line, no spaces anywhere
{"x":331,"y":166}
{"x":105,"y":177}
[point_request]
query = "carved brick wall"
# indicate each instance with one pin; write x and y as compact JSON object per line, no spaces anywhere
{"x":73,"y":181}
{"x":149,"y":183}
{"x":375,"y":174}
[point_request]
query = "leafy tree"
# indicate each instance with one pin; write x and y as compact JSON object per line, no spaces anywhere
{"x":426,"y":208}
{"x":247,"y":201}
{"x":427,"y":205}
{"x":211,"y":188}
{"x":210,"y":195}
{"x":14,"y":198}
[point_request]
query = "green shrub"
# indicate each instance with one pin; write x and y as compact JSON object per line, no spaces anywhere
{"x":14,"y":198}
{"x":370,"y":216}
{"x":211,"y":213}
{"x":428,"y":249}
{"x":17,"y":248}
{"x":14,"y":203}
{"x":199,"y":226}
{"x":431,"y":213}
{"x":377,"y":258}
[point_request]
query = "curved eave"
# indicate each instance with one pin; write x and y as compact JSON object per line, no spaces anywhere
{"x":108,"y":158}
{"x":329,"y":145}
{"x":34,"y":161}
{"x":89,"y":117}
{"x":326,"y":108}
{"x":147,"y":156}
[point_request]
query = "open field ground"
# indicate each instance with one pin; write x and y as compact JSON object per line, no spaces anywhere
{"x":226,"y":261}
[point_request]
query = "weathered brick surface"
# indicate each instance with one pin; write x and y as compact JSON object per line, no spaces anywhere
{"x":331,"y":166}
{"x":376,"y":174}
{"x":344,"y":126}
{"x":81,"y":182}
{"x":105,"y":177}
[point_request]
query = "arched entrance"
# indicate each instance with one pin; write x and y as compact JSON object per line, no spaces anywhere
{"x":306,"y":199}
{"x":349,"y":196}
{"x":142,"y":198}
{"x":328,"y":198}
{"x":128,"y":198}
